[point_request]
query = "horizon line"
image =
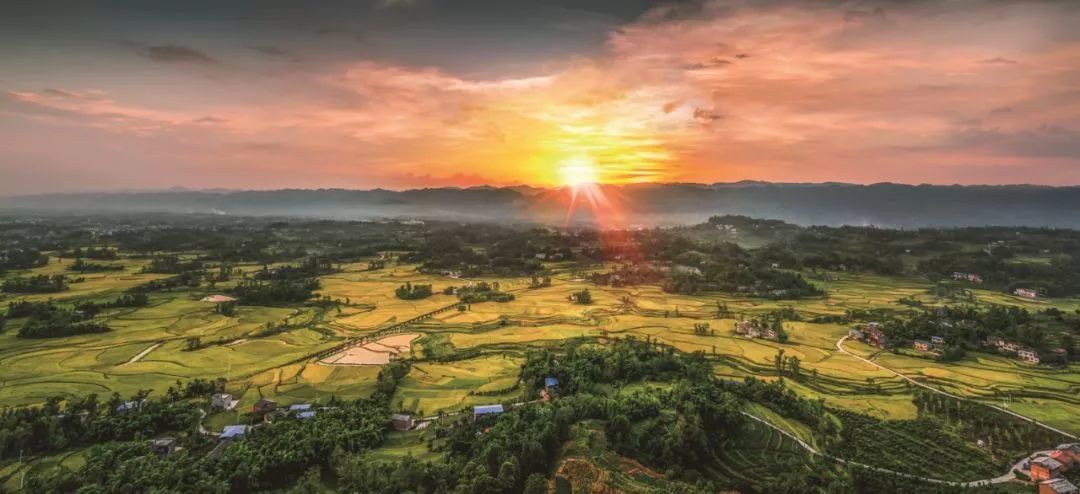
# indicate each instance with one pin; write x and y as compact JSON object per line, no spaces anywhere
{"x":748,"y":182}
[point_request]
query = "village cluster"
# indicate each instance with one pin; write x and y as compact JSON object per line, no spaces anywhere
{"x":269,"y":411}
{"x":872,"y":334}
{"x":975,"y":278}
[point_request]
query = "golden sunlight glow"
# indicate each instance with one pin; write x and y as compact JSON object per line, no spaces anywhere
{"x":578,"y":171}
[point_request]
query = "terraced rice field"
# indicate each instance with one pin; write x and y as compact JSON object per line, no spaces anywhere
{"x":485,"y":345}
{"x":447,"y":387}
{"x":1050,"y":395}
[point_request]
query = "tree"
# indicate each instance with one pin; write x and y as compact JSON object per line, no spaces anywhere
{"x":778,"y":326}
{"x":779,"y":362}
{"x":793,"y":364}
{"x":535,"y":484}
{"x":583,"y":297}
{"x":310,"y":483}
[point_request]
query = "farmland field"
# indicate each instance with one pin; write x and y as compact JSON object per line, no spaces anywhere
{"x":462,"y":355}
{"x":497,"y":334}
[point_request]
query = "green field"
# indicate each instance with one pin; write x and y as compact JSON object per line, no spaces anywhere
{"x":495,"y":337}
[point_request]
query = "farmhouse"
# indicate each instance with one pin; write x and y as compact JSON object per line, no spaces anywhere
{"x":745,"y":326}
{"x":1046,"y":468}
{"x":922,"y":345}
{"x":303,"y":407}
{"x":401,"y":421}
{"x":1071,"y":449}
{"x":550,"y":390}
{"x":937,"y":341}
{"x":129,"y":406}
{"x":163,"y":447}
{"x":972,"y":277}
{"x":754,"y":329}
{"x":1067,"y":454}
{"x":223,"y":401}
{"x":1057,"y":486}
{"x":873,"y":335}
{"x":1009,"y":346}
{"x":1028,"y":355}
{"x":489,"y":410}
{"x":310,"y":414}
{"x":1026,"y":292}
{"x":1062,"y":457}
{"x":264,"y":406}
{"x":679,"y":269}
{"x":855,"y":334}
{"x":233,"y":432}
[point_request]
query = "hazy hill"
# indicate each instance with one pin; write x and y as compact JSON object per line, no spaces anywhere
{"x":893,"y":205}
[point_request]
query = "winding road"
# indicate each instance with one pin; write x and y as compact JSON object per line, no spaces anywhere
{"x":840,"y":346}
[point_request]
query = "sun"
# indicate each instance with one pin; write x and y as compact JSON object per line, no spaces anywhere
{"x":578,"y":171}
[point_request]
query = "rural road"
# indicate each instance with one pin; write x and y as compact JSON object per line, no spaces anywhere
{"x":840,"y":346}
{"x":143,"y":353}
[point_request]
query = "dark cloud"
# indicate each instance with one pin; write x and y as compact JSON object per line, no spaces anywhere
{"x":210,"y":119}
{"x":706,"y":116}
{"x":675,"y":11}
{"x":389,"y":4}
{"x":355,"y":34}
{"x":863,"y":15}
{"x":178,"y":54}
{"x":275,"y":52}
{"x":60,"y":93}
{"x":716,"y":62}
{"x":998,"y":61}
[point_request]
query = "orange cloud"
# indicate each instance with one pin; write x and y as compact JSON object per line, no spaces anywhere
{"x":785,"y":91}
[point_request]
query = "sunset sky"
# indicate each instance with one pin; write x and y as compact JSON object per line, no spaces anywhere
{"x":418,"y":93}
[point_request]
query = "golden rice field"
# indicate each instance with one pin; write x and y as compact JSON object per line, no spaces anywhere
{"x":496,"y":335}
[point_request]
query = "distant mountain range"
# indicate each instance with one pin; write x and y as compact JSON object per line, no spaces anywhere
{"x":886,"y":205}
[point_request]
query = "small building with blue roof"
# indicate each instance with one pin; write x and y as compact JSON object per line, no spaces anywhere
{"x":487,"y":410}
{"x":233,"y":431}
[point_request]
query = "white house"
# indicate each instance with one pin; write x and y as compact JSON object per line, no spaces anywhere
{"x":1026,"y":292}
{"x":1028,"y":355}
{"x":223,"y":401}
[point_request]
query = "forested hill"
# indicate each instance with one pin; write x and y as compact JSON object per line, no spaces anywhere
{"x":887,"y":205}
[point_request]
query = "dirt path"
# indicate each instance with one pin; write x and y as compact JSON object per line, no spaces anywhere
{"x":840,"y":346}
{"x":143,"y":353}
